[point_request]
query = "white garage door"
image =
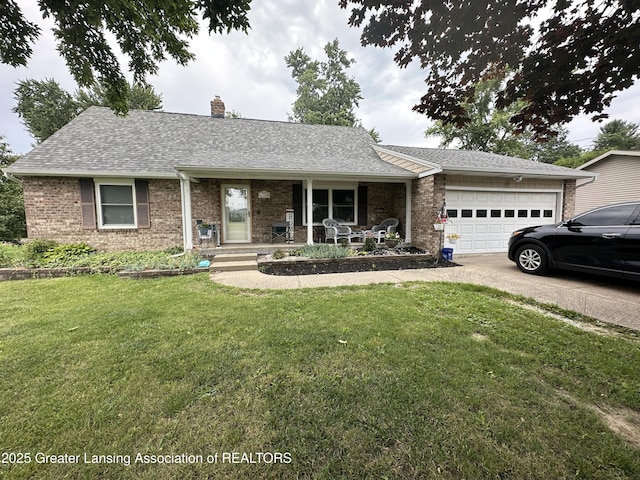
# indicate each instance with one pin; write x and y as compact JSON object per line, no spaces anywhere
{"x":485,"y":220}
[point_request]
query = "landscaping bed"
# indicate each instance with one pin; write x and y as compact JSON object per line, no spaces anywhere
{"x":381,"y":259}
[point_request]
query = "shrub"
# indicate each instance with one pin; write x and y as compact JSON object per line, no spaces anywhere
{"x":278,"y":254}
{"x":369,"y":245}
{"x":322,"y":251}
{"x":61,"y":254}
{"x":34,"y":251}
{"x":4,"y":259}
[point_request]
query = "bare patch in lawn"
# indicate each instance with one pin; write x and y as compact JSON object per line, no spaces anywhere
{"x":624,"y":422}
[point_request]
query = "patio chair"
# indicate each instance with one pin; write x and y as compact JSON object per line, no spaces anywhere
{"x":388,"y":225}
{"x":334,"y":231}
{"x":280,"y":230}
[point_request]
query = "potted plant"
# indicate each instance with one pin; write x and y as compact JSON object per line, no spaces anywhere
{"x":440,"y":221}
{"x":203,"y":228}
{"x":453,"y":238}
{"x":392,"y":239}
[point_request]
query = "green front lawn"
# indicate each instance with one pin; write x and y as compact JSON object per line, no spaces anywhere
{"x":423,"y":380}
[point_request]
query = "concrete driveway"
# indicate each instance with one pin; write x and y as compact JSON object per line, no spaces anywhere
{"x":608,"y":300}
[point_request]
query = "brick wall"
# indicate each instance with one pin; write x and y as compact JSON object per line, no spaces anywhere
{"x":427,"y":196}
{"x":385,"y":200}
{"x":568,"y":199}
{"x":52,"y":207}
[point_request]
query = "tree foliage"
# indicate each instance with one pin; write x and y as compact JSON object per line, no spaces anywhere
{"x":12,"y":219}
{"x":139,"y":97}
{"x":326,"y":94}
{"x":618,"y":135}
{"x":147,"y":32}
{"x":574,"y":62}
{"x":45,"y":107}
{"x":489,"y":130}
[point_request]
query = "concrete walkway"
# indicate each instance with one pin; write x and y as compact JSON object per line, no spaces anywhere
{"x":612,"y":301}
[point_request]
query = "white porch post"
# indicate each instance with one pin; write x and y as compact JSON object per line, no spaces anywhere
{"x":407,"y":222}
{"x":185,"y":198}
{"x":309,"y":211}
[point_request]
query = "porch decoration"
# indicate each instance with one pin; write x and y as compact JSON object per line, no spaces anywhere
{"x":391,"y":240}
{"x":441,"y":220}
{"x":453,"y":238}
{"x":203,"y":228}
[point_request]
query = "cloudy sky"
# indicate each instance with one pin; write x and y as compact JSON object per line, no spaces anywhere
{"x":249,"y":73}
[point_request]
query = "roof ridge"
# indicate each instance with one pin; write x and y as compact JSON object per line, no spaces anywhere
{"x":203,"y":116}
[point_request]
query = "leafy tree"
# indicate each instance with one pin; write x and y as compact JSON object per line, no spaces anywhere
{"x":488,"y":129}
{"x":618,"y":135}
{"x":140,"y":97}
{"x":574,"y":62}
{"x":576,"y":161}
{"x":146,"y":32}
{"x":554,"y":148}
{"x":12,"y":219}
{"x":45,"y":106}
{"x":326,"y":95}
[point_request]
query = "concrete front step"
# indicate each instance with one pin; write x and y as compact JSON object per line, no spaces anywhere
{"x":234,"y":262}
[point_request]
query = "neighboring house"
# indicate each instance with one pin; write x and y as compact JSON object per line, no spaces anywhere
{"x":142,"y":182}
{"x":617,"y":180}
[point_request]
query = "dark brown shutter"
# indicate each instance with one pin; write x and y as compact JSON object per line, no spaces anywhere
{"x":88,"y":204}
{"x":297,"y":204}
{"x":362,"y":205}
{"x":142,"y":203}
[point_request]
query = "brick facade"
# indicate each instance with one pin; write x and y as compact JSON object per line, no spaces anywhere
{"x":568,"y":199}
{"x":53,"y":211}
{"x":427,"y":197}
{"x":52,"y":207}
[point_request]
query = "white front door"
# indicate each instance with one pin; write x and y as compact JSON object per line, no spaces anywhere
{"x":236,"y":217}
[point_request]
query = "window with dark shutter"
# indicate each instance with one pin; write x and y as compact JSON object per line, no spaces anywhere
{"x":142,"y":204}
{"x":87,"y":204}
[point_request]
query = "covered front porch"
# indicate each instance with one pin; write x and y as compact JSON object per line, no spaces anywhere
{"x":245,"y":210}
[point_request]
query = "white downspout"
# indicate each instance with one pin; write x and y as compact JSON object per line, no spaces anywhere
{"x":185,"y":198}
{"x":309,"y":212}
{"x":407,"y":222}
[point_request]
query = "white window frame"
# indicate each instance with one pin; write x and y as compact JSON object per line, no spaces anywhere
{"x":331,"y":187}
{"x":117,"y":182}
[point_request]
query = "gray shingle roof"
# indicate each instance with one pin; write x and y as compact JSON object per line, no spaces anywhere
{"x":152,"y":143}
{"x":466,"y":161}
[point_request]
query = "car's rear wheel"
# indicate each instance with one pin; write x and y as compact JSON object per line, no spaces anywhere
{"x":532,"y":259}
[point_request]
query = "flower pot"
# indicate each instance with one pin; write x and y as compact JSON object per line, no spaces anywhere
{"x":438,"y":226}
{"x":452,"y":241}
{"x":391,"y":243}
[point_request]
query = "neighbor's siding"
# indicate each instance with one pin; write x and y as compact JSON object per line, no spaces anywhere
{"x":54,"y":211}
{"x":617,"y":181}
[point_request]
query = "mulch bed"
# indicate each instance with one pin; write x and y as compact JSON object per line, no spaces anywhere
{"x":376,"y":262}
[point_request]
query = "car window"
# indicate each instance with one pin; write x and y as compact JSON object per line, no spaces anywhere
{"x":608,"y":216}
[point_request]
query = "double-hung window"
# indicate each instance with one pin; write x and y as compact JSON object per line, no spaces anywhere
{"x":116,"y":204}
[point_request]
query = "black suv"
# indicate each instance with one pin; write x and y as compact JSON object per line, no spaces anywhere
{"x":605,"y":240}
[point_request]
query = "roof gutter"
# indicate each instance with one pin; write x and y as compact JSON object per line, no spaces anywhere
{"x":8,"y":176}
{"x":90,"y":173}
{"x":286,"y":174}
{"x":523,"y":173}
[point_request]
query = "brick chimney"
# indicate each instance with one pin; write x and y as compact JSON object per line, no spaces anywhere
{"x":217,"y":108}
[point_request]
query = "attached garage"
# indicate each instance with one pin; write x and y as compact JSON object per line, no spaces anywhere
{"x":485,"y":219}
{"x":488,"y":196}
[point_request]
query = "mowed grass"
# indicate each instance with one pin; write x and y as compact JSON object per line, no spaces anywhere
{"x":421,"y":380}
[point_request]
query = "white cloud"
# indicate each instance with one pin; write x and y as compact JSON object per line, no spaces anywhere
{"x":249,"y":73}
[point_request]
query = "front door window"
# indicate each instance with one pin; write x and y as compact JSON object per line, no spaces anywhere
{"x":237,"y":214}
